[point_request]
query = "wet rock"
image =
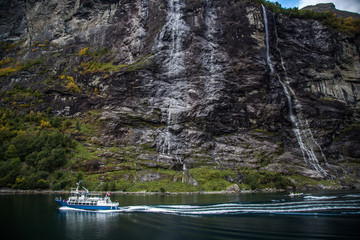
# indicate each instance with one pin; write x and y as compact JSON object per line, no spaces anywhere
{"x":148,"y":176}
{"x":233,"y":188}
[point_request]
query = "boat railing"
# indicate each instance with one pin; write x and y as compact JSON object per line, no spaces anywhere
{"x":76,"y":191}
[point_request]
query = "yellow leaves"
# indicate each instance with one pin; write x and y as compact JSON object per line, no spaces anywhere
{"x":40,"y":46}
{"x":71,"y":85}
{"x":99,"y":67}
{"x":84,"y":51}
{"x":6,"y":60}
{"x":19,"y":180}
{"x":3,"y":118}
{"x":6,"y":71}
{"x":38,"y":114}
{"x":13,"y":66}
{"x":10,"y":69}
{"x":44,"y":124}
{"x":350,"y":25}
{"x":69,"y":78}
{"x":348,"y":20}
{"x":42,"y":183}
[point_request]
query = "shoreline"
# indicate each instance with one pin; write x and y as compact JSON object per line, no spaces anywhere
{"x":20,"y":191}
{"x":267,"y":190}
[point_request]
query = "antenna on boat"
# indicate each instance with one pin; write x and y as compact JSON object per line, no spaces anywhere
{"x":78,"y":185}
{"x":87,"y":191}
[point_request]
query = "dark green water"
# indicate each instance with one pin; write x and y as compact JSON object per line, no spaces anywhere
{"x":316,"y":215}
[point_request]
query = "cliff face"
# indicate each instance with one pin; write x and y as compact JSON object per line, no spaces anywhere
{"x":326,"y":7}
{"x":190,"y":83}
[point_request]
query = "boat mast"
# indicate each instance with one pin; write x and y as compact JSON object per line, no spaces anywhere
{"x":77,"y":186}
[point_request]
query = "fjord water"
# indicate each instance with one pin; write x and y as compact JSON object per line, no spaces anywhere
{"x":317,"y":215}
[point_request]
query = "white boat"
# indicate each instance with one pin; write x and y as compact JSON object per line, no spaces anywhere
{"x":88,"y":201}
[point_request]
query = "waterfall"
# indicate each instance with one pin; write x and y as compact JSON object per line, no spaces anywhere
{"x":212,"y":56}
{"x":301,"y":128}
{"x":215,"y":157}
{"x":174,"y":105}
{"x":179,"y":30}
{"x":268,"y":59}
{"x":213,"y":62}
{"x":141,"y":33}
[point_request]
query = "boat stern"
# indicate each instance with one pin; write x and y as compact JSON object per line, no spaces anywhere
{"x":61,"y":202}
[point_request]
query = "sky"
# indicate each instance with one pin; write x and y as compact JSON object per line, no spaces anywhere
{"x":347,"y":5}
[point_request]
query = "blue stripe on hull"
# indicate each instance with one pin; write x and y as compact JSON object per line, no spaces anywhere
{"x":91,"y":207}
{"x":85,"y":207}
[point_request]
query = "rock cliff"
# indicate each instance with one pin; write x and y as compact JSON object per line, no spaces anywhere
{"x":189,"y":83}
{"x":326,"y":7}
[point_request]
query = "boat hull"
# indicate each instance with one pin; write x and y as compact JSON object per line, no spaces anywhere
{"x":85,"y":207}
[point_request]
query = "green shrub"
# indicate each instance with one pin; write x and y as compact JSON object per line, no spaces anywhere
{"x":61,"y":184}
{"x":264,"y":179}
{"x":210,"y":179}
{"x":109,"y":186}
{"x":42,"y":184}
{"x":31,"y":63}
{"x":29,"y":153}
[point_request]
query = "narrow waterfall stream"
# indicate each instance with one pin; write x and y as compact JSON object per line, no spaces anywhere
{"x":212,"y":55}
{"x":176,"y":98}
{"x":141,"y":32}
{"x":301,"y":127}
{"x":213,"y":63}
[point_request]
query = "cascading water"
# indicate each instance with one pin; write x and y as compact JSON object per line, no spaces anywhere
{"x":144,"y":13}
{"x":176,"y":25}
{"x":212,"y":56}
{"x":212,"y":62}
{"x":174,"y":63}
{"x":301,"y":127}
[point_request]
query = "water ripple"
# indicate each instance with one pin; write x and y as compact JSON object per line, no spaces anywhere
{"x":307,"y":205}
